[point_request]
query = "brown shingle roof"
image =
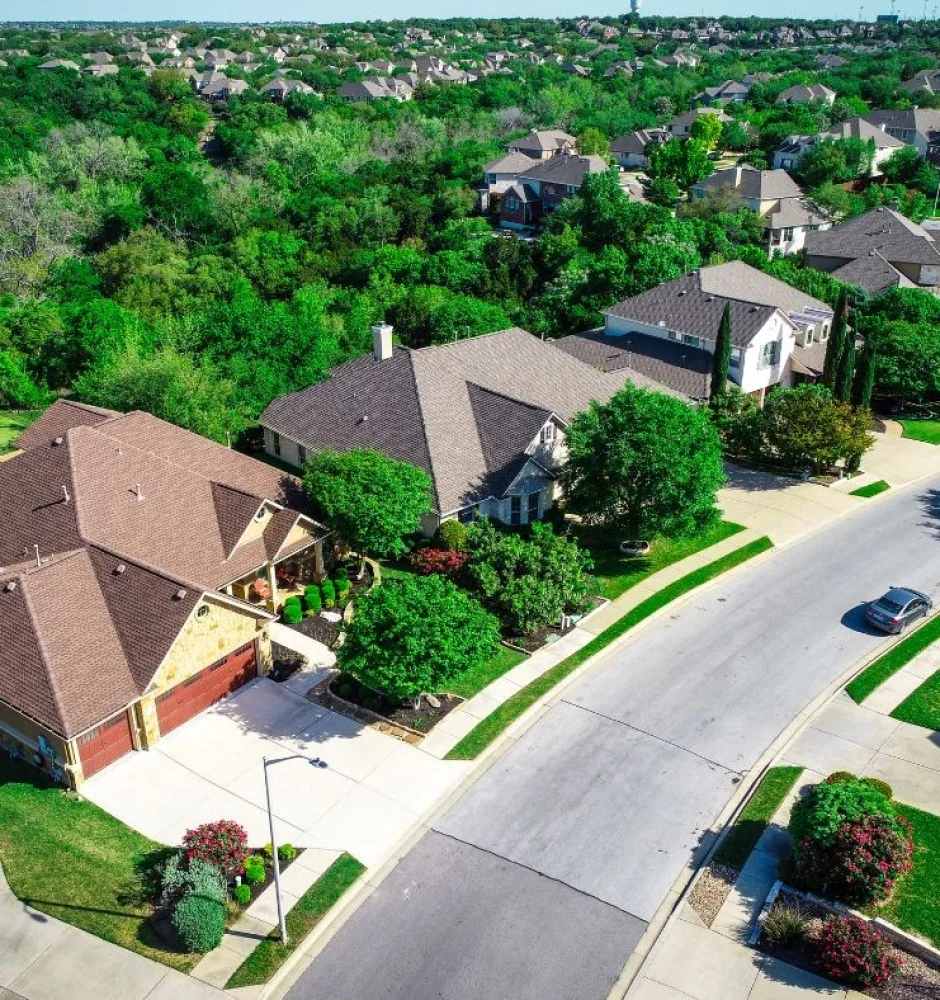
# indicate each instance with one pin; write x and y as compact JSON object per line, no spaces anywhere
{"x":66,"y":413}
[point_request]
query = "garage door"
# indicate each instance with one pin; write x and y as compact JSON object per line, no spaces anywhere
{"x":104,"y":744}
{"x":180,"y":704}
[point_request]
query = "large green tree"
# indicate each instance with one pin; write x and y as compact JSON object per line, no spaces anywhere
{"x":645,"y":463}
{"x":373,"y":502}
{"x":411,"y":636}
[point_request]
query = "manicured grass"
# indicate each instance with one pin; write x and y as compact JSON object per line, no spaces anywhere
{"x":616,"y":573}
{"x":922,"y":430}
{"x":12,"y":424}
{"x":483,"y":734}
{"x":471,"y":682}
{"x":915,"y":903}
{"x":269,"y":955}
{"x":877,"y":672}
{"x":754,"y":817}
{"x":922,"y":706}
{"x":70,"y":859}
{"x":871,"y":490}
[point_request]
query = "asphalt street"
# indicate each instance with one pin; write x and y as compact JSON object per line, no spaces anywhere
{"x":539,"y":882}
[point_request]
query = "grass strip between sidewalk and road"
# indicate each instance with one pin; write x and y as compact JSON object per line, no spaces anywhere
{"x":878,"y":671}
{"x":871,"y":490}
{"x":773,"y":788}
{"x":269,"y":955}
{"x":487,"y":730}
{"x":922,"y":706}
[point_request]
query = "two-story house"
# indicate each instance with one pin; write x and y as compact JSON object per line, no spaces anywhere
{"x":917,"y":127}
{"x":543,"y":144}
{"x":668,"y":333}
{"x":540,"y":189}
{"x":883,"y":143}
{"x":681,"y":127}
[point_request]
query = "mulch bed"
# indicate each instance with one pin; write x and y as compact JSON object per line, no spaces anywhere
{"x":258,"y":887}
{"x":915,"y":980}
{"x":536,"y":640}
{"x":711,"y":890}
{"x":344,"y":694}
{"x":327,"y":632}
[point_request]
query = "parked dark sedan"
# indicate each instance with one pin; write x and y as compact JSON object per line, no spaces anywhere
{"x":896,"y":609}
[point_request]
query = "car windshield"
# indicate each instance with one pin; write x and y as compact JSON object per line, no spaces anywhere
{"x":886,"y":604}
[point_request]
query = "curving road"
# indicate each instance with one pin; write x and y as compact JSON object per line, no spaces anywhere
{"x":539,"y":882}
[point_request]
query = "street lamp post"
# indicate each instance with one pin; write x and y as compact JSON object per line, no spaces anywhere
{"x":314,"y":762}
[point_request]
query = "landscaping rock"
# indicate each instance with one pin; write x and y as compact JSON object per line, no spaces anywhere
{"x":711,"y":890}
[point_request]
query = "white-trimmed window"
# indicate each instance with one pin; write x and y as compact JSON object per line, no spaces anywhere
{"x":769,"y":354}
{"x":301,"y":455}
{"x":547,"y":434}
{"x":276,"y":442}
{"x":735,"y":360}
{"x":691,"y":341}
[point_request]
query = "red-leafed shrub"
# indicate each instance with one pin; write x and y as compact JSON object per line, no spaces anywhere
{"x":223,"y":844}
{"x":443,"y":561}
{"x":861,"y":863}
{"x":852,"y":951}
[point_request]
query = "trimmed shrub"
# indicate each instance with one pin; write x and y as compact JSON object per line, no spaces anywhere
{"x":452,"y":535}
{"x":199,"y":877}
{"x":854,"y":952}
{"x":242,"y":894}
{"x":342,"y":589}
{"x":341,"y":573}
{"x":441,"y":561}
{"x":223,"y":844}
{"x":292,"y":612}
{"x":820,"y":813}
{"x":886,"y":790}
{"x":254,"y":869}
{"x":841,"y":777}
{"x":786,"y":925}
{"x":312,"y":598}
{"x":200,"y":922}
{"x":287,"y":852}
{"x":328,"y":590}
{"x":862,"y":862}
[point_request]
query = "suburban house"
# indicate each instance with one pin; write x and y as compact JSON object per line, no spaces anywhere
{"x":806,"y":93}
{"x":879,"y":250}
{"x":541,"y":188}
{"x":544,"y":144}
{"x":789,"y":152}
{"x":924,"y":82}
{"x":485,"y":417}
{"x":681,"y":127}
{"x":775,"y":197}
{"x":375,"y":88}
{"x":729,"y":92}
{"x":917,"y":127}
{"x":141,"y":566}
{"x":630,"y":150}
{"x":667,"y":334}
{"x":500,"y":174}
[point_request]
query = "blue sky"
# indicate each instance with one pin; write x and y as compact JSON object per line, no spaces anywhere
{"x":316,"y":10}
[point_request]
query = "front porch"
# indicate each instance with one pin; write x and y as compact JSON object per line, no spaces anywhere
{"x":271,"y":584}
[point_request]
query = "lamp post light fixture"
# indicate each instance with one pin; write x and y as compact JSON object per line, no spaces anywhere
{"x":268,"y":761}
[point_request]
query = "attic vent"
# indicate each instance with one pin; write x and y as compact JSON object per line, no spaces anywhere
{"x":179,"y":595}
{"x":709,"y":298}
{"x":10,"y":586}
{"x":120,"y":569}
{"x":138,"y":491}
{"x":363,"y":419}
{"x":753,"y":309}
{"x":684,"y":291}
{"x":57,"y":441}
{"x":662,"y":324}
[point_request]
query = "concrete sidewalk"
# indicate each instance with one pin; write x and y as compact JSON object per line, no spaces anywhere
{"x":42,"y":958}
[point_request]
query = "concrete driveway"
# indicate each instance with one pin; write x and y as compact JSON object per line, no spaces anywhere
{"x":372,"y":795}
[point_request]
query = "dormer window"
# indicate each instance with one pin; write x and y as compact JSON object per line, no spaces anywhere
{"x":548,"y":433}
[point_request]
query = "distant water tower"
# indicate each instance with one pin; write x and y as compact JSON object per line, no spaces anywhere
{"x":635,"y":6}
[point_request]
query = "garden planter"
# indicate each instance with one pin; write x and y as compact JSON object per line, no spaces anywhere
{"x":636,"y":547}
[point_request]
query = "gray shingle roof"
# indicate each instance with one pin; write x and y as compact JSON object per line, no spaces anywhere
{"x":873,"y":273}
{"x":895,"y":237}
{"x":565,"y":169}
{"x":544,"y":140}
{"x":762,"y":185}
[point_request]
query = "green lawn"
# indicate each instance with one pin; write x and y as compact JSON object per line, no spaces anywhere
{"x":915,"y":903}
{"x":70,"y":859}
{"x":12,"y":424}
{"x":754,"y":817}
{"x":471,"y":682}
{"x":922,"y":430}
{"x":877,"y":672}
{"x":269,"y":955}
{"x":922,"y":706}
{"x":871,"y":490}
{"x":617,"y":573}
{"x":483,"y":734}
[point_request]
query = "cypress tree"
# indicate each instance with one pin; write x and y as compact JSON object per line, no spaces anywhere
{"x":837,"y":338}
{"x":722,"y":356}
{"x":845,"y":373}
{"x":865,"y":374}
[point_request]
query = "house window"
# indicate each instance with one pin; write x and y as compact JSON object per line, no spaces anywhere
{"x":512,"y":204}
{"x":548,"y":434}
{"x":824,"y":333}
{"x":515,"y":510}
{"x":788,"y":234}
{"x":467,"y":515}
{"x":276,"y":439}
{"x":690,"y":340}
{"x":770,"y":354}
{"x":532,"y":514}
{"x":301,"y":454}
{"x":735,"y":360}
{"x":674,"y":336}
{"x":202,"y":610}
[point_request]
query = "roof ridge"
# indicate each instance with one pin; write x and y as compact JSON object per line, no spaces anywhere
{"x":140,"y":564}
{"x":506,"y":396}
{"x":424,"y":423}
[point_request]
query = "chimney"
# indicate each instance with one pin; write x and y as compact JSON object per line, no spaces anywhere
{"x":381,"y":341}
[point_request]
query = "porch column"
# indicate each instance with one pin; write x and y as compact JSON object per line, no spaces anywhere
{"x":272,"y":583}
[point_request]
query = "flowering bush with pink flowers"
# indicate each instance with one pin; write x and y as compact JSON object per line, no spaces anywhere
{"x":861,"y":863}
{"x":852,"y":951}
{"x":443,"y":561}
{"x":223,"y":844}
